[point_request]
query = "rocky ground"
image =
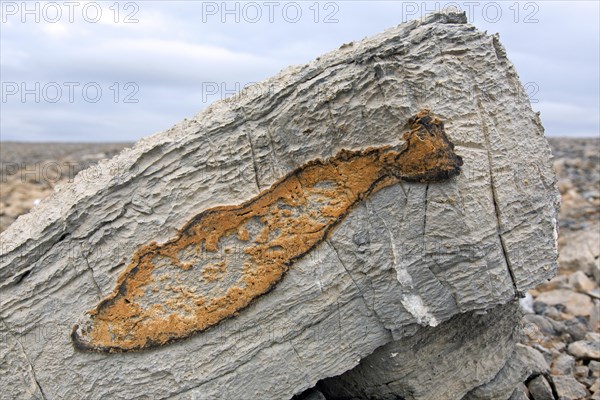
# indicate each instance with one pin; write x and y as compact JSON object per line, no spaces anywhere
{"x":562,"y":315}
{"x":562,"y":320}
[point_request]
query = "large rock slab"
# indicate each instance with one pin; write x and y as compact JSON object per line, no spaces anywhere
{"x":412,"y":255}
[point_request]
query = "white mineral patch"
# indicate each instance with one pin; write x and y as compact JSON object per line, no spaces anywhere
{"x":414,"y":305}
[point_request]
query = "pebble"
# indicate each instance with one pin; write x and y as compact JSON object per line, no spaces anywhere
{"x":568,"y":388}
{"x":541,"y":324}
{"x":580,"y":281}
{"x":576,"y":304}
{"x":539,"y":307}
{"x":557,"y":312}
{"x":575,"y":328}
{"x":585,"y":350}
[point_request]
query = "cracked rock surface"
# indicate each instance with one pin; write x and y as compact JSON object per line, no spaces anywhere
{"x":409,"y":258}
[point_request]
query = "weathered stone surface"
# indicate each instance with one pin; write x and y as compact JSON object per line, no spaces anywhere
{"x":410,"y":256}
{"x":523,"y":363}
{"x":520,"y":393}
{"x":465,"y":352}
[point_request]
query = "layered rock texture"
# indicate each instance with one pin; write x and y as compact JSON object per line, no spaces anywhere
{"x":409,"y":267}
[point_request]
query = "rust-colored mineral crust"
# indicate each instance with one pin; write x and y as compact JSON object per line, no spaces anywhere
{"x":227,"y":256}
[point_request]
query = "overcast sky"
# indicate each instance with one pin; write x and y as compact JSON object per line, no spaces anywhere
{"x":107,"y":71}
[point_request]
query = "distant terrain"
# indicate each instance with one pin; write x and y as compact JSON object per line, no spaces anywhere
{"x":31,"y":170}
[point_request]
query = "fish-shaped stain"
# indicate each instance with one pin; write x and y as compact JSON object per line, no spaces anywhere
{"x":228,"y":256}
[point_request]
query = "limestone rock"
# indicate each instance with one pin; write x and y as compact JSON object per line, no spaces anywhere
{"x":408,"y":258}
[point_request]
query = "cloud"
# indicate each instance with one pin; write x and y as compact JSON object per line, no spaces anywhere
{"x":568,"y":119}
{"x":171,"y":53}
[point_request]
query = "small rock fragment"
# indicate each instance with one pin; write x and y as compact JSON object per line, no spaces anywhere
{"x":540,"y":325}
{"x":575,"y":328}
{"x":594,"y":367}
{"x":557,"y":312}
{"x":577,"y":304}
{"x":568,"y":388}
{"x":581,"y":372}
{"x":564,"y":364}
{"x":580,"y":282}
{"x":539,"y":307}
{"x":585,"y":350}
{"x":595,"y":388}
